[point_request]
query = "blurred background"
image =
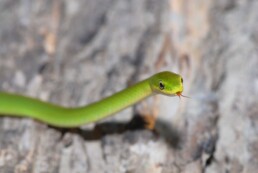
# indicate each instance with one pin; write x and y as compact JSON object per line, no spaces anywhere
{"x":75,"y":52}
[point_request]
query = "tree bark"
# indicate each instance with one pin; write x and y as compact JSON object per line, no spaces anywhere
{"x":76,"y":52}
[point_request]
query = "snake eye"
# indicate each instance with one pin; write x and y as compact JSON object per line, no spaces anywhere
{"x":161,"y":85}
{"x":182,"y":80}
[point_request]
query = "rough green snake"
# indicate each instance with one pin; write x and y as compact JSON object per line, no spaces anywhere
{"x":166,"y":83}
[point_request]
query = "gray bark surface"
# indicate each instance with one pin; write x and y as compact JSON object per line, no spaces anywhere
{"x":75,"y":52}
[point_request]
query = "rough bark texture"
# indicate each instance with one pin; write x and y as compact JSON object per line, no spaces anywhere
{"x":79,"y":51}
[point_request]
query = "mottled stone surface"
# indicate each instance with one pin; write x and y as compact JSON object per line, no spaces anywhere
{"x":76,"y":52}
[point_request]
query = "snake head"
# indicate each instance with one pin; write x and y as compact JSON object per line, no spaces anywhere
{"x":167,"y":83}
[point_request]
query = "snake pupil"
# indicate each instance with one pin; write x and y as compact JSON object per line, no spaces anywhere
{"x":182,"y":80}
{"x":161,"y":85}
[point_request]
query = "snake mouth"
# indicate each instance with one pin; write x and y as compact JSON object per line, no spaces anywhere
{"x":179,"y":94}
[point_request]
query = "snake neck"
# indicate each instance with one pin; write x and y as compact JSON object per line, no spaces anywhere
{"x":116,"y":102}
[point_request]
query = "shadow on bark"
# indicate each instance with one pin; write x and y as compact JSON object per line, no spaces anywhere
{"x":162,"y":129}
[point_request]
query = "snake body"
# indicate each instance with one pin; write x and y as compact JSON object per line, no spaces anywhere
{"x":166,"y":83}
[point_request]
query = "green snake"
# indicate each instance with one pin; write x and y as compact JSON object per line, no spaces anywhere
{"x":166,"y":83}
